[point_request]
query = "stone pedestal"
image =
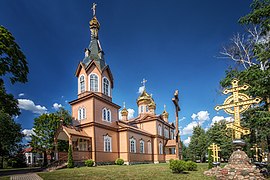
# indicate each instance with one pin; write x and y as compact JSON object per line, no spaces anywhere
{"x":238,"y":167}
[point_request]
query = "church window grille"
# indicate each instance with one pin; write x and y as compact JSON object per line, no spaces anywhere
{"x":141,"y":146}
{"x":82,"y":83}
{"x":81,"y":113}
{"x":106,"y":115}
{"x":160,"y":148}
{"x":109,"y":118}
{"x":106,"y":86}
{"x":93,"y":82}
{"x":107,"y":143}
{"x":132,"y":145}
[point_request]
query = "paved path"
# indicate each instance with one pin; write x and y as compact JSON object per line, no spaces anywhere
{"x":29,"y":176}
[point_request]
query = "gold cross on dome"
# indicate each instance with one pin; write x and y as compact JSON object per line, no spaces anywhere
{"x":236,"y":104}
{"x":143,"y":82}
{"x":94,"y":9}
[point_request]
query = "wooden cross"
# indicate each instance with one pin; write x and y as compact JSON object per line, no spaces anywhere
{"x":236,"y":104}
{"x":177,"y":109}
{"x":256,"y":148}
{"x":215,"y":149}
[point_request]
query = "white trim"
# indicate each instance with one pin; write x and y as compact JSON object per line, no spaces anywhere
{"x":89,"y":85}
{"x":107,"y":139}
{"x":134,"y":142}
{"x":109,"y":86}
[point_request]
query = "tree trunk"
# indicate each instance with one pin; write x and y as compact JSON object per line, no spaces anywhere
{"x":268,"y":103}
{"x":2,"y":162}
{"x":45,"y":160}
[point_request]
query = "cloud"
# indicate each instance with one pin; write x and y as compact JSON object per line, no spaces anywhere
{"x":189,"y":128}
{"x":29,"y":105}
{"x":182,"y":119}
{"x":21,"y":94}
{"x":201,"y":116}
{"x":141,"y":89}
{"x":217,"y":119}
{"x":130,"y":113}
{"x":56,"y":106}
{"x":187,"y":141}
{"x":28,"y":133}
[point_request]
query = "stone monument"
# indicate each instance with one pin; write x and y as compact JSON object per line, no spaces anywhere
{"x":239,"y":166}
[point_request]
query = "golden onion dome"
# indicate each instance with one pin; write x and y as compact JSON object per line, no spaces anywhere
{"x":94,"y":24}
{"x":165,"y":114}
{"x":124,"y":112}
{"x":144,"y":97}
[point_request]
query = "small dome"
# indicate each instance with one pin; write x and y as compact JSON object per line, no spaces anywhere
{"x":124,"y":112}
{"x":165,"y":114}
{"x":94,"y":24}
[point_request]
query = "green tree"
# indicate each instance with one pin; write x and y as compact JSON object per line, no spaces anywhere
{"x":217,"y":134}
{"x":198,"y":144}
{"x":45,"y":127}
{"x":70,"y":163}
{"x":10,"y":136}
{"x":210,"y":159}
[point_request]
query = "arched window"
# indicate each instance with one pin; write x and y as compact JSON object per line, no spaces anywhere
{"x":106,"y":86}
{"x":149,"y":145}
{"x":82,"y":83}
{"x":132,"y":145}
{"x":160,"y":148}
{"x":93,"y":82}
{"x":81,"y":113}
{"x":141,"y":146}
{"x":159,"y":130}
{"x":104,"y":114}
{"x":29,"y":159}
{"x":146,"y":109}
{"x":166,"y":133}
{"x":107,"y":143}
{"x":109,"y":117}
{"x":141,"y":109}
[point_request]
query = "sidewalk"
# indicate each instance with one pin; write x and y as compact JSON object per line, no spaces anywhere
{"x":29,"y":176}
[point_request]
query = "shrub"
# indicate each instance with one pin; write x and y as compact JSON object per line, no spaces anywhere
{"x":191,"y":166}
{"x":177,"y":166}
{"x":210,"y":159}
{"x":89,"y":163}
{"x":70,"y":163}
{"x":119,"y":161}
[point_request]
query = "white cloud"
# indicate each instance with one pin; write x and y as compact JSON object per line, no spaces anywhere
{"x":141,"y":89}
{"x":28,"y":133}
{"x":201,"y":116}
{"x":217,"y":119}
{"x":29,"y":105}
{"x":21,"y":94}
{"x":130,"y":113}
{"x":56,"y":106}
{"x":187,"y":141}
{"x":182,"y":119}
{"x":189,"y":128}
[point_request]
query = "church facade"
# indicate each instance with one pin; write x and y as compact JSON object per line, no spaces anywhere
{"x":98,"y":132}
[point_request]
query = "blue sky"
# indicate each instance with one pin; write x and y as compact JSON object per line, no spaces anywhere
{"x":173,"y":44}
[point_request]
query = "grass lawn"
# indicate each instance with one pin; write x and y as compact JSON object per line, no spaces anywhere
{"x":143,"y":171}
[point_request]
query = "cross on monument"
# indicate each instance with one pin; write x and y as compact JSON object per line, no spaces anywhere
{"x":177,"y":109}
{"x":215,"y":149}
{"x":236,"y":104}
{"x":143,"y":82}
{"x":256,"y":148}
{"x":94,"y":9}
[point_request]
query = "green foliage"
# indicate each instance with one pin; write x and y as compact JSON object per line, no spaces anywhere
{"x":210,"y":159}
{"x":119,"y":161}
{"x":191,"y":166}
{"x":70,"y":163}
{"x":45,"y":127}
{"x":89,"y":163}
{"x":217,"y":134}
{"x":10,"y":135}
{"x":178,"y":166}
{"x":198,"y":144}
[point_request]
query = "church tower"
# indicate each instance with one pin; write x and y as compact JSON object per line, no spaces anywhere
{"x":95,"y":83}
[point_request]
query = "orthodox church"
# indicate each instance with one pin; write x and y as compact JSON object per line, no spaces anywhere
{"x":98,"y":132}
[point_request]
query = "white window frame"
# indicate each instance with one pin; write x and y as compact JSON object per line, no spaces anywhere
{"x":107,"y":143}
{"x":149,"y":145}
{"x":95,"y":90}
{"x":81,"y":113}
{"x":80,"y":85}
{"x":107,"y":113}
{"x":103,"y":86}
{"x":82,"y":145}
{"x":160,"y":148}
{"x":141,"y":146}
{"x":159,"y":130}
{"x":132,"y":149}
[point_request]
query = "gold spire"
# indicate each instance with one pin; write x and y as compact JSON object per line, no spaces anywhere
{"x":124,"y":111}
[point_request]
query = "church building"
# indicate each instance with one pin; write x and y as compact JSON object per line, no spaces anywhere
{"x":98,"y":133}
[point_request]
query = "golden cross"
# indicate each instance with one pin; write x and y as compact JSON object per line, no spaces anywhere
{"x":215,"y":149}
{"x":256,"y":148}
{"x":236,"y":104}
